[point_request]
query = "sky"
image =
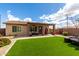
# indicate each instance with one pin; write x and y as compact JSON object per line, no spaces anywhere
{"x":27,"y":11}
{"x":39,"y":12}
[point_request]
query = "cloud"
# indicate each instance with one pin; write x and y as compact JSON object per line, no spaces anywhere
{"x":76,"y":12}
{"x":70,"y":9}
{"x":13,"y":18}
{"x":28,"y":19}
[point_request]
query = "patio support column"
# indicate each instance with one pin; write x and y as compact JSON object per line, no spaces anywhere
{"x":28,"y":30}
{"x":53,"y":28}
{"x":43,"y":30}
{"x":48,"y":29}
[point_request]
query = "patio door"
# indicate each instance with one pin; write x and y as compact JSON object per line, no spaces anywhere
{"x":46,"y":30}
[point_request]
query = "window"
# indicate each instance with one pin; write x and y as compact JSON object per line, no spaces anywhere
{"x":40,"y":27}
{"x":16,"y":29}
{"x":30,"y":28}
{"x":33,"y":28}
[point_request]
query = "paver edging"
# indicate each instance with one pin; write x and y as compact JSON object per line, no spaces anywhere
{"x":10,"y":46}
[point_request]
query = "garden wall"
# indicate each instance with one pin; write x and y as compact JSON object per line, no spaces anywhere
{"x":71,"y":31}
{"x":2,"y":31}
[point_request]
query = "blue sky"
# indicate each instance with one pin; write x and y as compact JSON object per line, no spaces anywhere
{"x":29,"y":10}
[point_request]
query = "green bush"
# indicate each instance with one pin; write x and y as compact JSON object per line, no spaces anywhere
{"x":65,"y":33}
{"x":4,"y":41}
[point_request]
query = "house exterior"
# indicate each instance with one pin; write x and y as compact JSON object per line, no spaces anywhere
{"x":21,"y":28}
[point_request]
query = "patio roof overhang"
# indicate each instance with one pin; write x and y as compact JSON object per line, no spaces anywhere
{"x":39,"y":23}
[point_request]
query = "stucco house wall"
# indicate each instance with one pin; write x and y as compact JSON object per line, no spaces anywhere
{"x":9,"y":30}
{"x":25,"y":28}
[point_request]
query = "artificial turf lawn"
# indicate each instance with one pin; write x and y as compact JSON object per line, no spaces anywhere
{"x":50,"y":46}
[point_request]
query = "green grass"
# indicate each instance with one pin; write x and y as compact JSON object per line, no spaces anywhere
{"x":51,"y":46}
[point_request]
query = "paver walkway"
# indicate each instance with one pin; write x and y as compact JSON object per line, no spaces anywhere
{"x":5,"y":49}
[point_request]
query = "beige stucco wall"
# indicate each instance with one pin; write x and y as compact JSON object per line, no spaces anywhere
{"x":45,"y":26}
{"x":24,"y":29}
{"x":9,"y":30}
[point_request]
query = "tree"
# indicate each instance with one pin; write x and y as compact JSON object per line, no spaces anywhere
{"x":75,"y":21}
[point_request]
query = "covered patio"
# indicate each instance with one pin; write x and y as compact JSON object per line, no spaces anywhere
{"x":40,"y":28}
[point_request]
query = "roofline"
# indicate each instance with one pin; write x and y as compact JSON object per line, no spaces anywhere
{"x":8,"y":22}
{"x":15,"y":22}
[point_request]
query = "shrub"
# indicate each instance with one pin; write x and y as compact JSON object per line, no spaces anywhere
{"x":0,"y":35}
{"x":4,"y":41}
{"x":1,"y":43}
{"x":65,"y":33}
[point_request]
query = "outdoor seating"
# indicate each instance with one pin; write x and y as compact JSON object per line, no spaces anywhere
{"x":72,"y":39}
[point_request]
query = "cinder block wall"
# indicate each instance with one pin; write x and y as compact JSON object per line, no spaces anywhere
{"x":2,"y":31}
{"x":71,"y":31}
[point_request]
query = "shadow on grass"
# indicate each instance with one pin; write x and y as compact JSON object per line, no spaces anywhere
{"x":73,"y":45}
